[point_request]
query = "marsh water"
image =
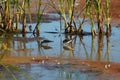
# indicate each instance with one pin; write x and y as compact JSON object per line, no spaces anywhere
{"x":84,"y":58}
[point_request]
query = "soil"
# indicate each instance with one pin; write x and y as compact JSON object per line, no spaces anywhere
{"x":115,"y":11}
{"x":106,"y":67}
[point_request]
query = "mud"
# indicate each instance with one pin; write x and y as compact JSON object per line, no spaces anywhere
{"x":60,"y":62}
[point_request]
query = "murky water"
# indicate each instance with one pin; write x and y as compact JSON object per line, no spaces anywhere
{"x":105,"y":49}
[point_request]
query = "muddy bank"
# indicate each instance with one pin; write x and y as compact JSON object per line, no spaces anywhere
{"x":61,"y":62}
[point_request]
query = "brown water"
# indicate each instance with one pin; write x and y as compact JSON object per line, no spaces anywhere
{"x":48,"y":58}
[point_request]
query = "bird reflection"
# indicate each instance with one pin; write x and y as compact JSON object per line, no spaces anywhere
{"x":65,"y":47}
{"x":67,"y":41}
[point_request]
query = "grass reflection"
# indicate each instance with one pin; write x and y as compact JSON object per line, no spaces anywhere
{"x":100,"y":47}
{"x":75,"y":45}
{"x":107,"y":54}
{"x":95,"y":52}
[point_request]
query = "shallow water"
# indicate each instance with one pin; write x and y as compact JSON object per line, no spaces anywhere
{"x":85,"y":48}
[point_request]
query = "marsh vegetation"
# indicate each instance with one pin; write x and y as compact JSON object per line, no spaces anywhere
{"x":71,"y":38}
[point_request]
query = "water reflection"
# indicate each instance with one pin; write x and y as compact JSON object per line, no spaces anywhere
{"x":93,"y":50}
{"x":96,"y":51}
{"x":66,"y":46}
{"x":108,"y":48}
{"x":100,"y":47}
{"x":63,"y":46}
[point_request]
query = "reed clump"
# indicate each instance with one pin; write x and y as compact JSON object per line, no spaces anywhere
{"x":94,"y":10}
{"x":10,"y":12}
{"x":14,"y":12}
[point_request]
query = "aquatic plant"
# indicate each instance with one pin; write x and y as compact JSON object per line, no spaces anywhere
{"x":89,"y":6}
{"x":6,"y":22}
{"x":7,"y":15}
{"x":66,"y":11}
{"x":95,"y":10}
{"x":16,"y":11}
{"x":37,"y":27}
{"x":11,"y":70}
{"x":107,"y":11}
{"x":7,"y":68}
